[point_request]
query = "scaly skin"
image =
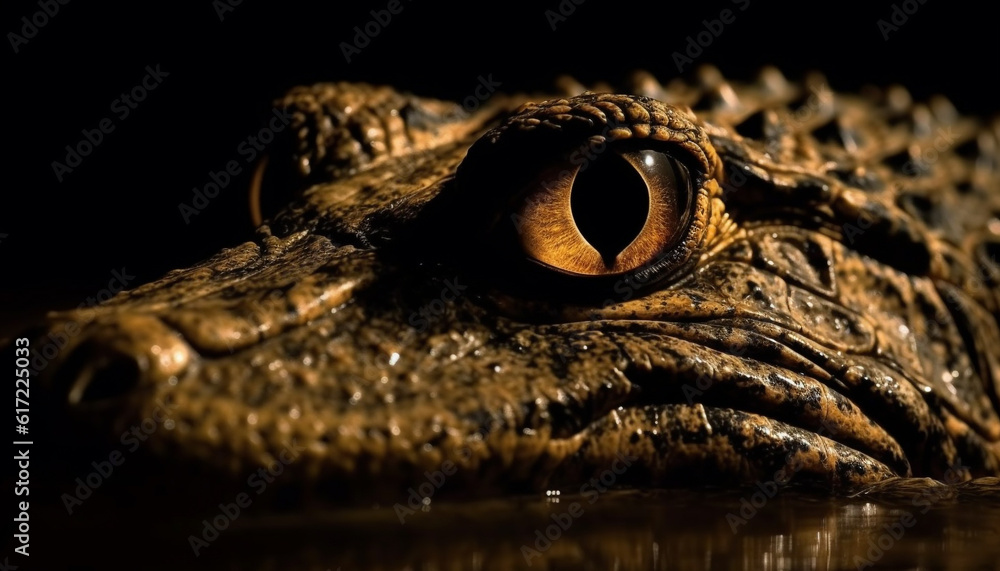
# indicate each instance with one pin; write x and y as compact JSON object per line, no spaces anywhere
{"x":828,"y":318}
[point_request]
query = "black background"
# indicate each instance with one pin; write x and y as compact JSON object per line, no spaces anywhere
{"x":119,"y":208}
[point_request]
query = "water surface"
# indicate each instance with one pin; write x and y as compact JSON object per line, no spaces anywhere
{"x":671,"y":529}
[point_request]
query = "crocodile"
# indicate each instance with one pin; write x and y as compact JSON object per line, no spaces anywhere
{"x":704,"y":282}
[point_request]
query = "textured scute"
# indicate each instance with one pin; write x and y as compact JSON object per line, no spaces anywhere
{"x":832,"y":322}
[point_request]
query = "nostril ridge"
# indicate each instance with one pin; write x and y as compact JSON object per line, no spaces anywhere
{"x":110,"y":376}
{"x":117,"y":358}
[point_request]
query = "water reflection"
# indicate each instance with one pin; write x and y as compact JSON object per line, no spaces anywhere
{"x":621,"y":530}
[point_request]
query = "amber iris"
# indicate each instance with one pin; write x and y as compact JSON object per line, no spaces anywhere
{"x":607,"y":217}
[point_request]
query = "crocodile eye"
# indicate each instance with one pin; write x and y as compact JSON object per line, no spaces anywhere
{"x":607,"y":217}
{"x":642,"y":205}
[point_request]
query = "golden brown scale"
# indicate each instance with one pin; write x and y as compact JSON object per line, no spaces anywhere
{"x":821,"y":309}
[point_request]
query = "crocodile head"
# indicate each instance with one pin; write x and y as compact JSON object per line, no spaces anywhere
{"x":705,"y":283}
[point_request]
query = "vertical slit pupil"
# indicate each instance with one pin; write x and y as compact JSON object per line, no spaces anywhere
{"x":610,"y":203}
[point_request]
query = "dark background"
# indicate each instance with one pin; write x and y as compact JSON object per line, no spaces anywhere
{"x":119,"y":208}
